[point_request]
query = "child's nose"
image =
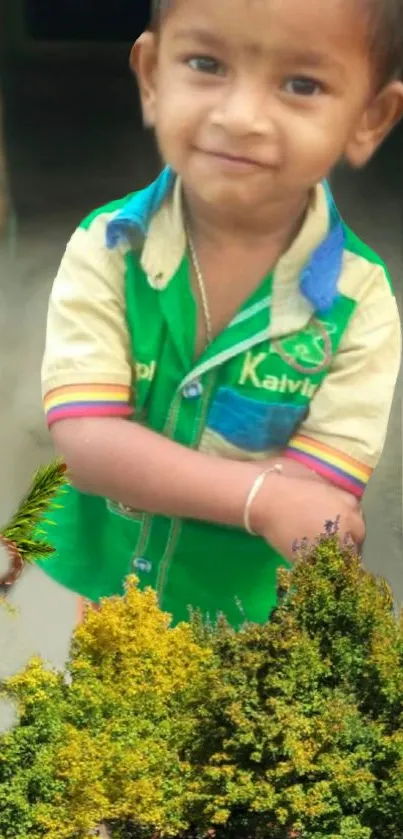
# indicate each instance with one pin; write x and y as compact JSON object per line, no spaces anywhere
{"x":245,"y":109}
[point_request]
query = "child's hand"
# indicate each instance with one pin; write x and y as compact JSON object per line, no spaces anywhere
{"x":289,"y":509}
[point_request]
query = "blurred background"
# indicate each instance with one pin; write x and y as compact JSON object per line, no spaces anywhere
{"x":72,"y":140}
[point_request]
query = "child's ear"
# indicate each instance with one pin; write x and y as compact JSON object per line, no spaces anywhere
{"x":381,"y":115}
{"x":143,"y":62}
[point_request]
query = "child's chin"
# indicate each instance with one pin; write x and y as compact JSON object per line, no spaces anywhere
{"x":228,"y":195}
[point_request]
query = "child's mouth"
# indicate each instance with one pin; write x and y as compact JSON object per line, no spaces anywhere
{"x":235,"y":161}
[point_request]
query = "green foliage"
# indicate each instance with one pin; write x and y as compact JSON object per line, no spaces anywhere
{"x":21,"y":531}
{"x":304,"y":729}
{"x":292,"y":728}
{"x":109,"y":741}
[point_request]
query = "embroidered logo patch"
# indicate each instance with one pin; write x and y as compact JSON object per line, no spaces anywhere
{"x":309,"y":351}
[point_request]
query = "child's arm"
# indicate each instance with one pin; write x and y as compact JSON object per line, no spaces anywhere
{"x":144,"y":470}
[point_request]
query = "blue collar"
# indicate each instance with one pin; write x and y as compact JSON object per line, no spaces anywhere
{"x":320,"y":277}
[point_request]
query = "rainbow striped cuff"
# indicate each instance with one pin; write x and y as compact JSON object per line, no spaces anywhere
{"x":95,"y":400}
{"x":332,"y":464}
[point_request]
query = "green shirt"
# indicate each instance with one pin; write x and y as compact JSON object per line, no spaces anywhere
{"x":252,"y":393}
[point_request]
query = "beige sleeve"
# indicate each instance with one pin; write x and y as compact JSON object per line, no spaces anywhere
{"x":87,"y":366}
{"x":344,"y":434}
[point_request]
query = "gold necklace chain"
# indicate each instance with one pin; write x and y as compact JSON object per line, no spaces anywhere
{"x":202,"y":289}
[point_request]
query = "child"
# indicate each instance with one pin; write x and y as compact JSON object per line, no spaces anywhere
{"x":221,"y":349}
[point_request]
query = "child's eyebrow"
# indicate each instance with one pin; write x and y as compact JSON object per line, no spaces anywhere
{"x":198,"y":34}
{"x":312,"y":58}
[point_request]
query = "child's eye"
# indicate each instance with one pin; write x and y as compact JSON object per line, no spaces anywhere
{"x":205,"y":64}
{"x":302,"y":86}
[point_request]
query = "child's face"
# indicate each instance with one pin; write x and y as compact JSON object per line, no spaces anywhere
{"x":254,"y":101}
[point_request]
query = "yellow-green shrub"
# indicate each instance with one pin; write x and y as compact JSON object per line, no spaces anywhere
{"x":110,"y":741}
{"x":295,"y":725}
{"x":304,"y":730}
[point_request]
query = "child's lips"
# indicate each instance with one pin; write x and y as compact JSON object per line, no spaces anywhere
{"x":235,"y":161}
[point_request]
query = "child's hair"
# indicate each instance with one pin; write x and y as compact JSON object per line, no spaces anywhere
{"x":385,"y":23}
{"x":157,"y":8}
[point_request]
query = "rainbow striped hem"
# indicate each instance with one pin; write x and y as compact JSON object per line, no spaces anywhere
{"x":332,"y":464}
{"x":94,"y":400}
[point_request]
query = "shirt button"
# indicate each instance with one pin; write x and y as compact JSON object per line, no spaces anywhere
{"x":193,"y":390}
{"x":140,"y":563}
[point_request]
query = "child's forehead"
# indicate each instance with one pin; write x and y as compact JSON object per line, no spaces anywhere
{"x":258,"y":24}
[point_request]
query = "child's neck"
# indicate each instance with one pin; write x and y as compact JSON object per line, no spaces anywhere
{"x":234,"y":259}
{"x":272,"y":228}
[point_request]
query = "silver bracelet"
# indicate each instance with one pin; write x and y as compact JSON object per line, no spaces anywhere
{"x":253,"y":493}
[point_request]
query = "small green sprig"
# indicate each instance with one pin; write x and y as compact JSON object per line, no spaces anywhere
{"x":22,"y":531}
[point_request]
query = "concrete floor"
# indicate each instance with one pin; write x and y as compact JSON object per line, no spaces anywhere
{"x":74,"y":143}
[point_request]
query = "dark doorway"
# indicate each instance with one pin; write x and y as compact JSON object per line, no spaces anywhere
{"x":86,"y":20}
